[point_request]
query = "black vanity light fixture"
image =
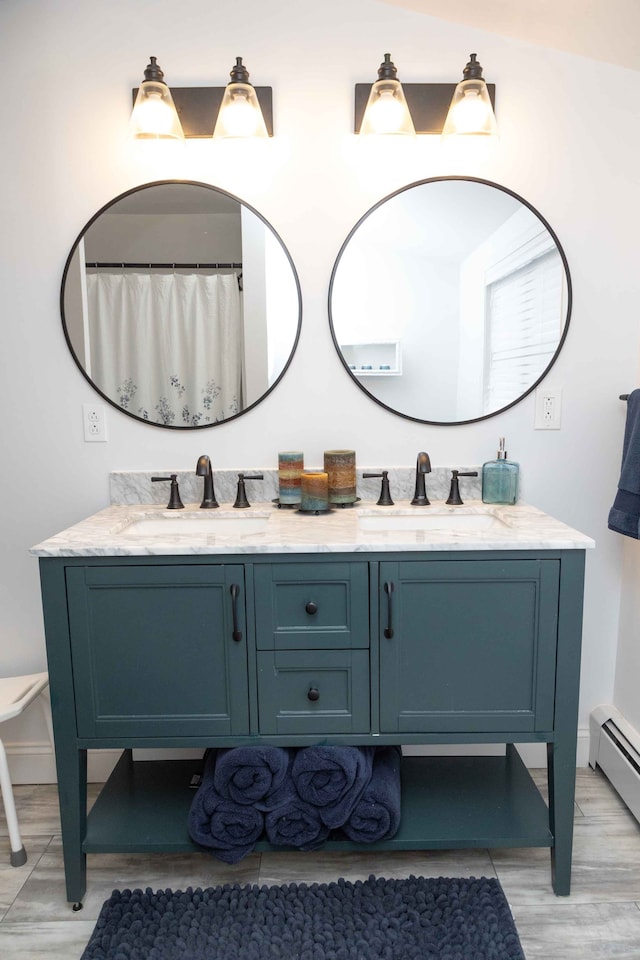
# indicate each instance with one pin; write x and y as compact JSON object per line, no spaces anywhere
{"x":437,"y":108}
{"x":237,"y":110}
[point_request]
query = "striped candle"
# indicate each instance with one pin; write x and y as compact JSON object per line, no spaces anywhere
{"x":314,"y":491}
{"x":290,"y":467}
{"x":340,"y":465}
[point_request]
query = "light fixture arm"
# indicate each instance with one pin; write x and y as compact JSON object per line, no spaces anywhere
{"x":473,"y":69}
{"x":239,"y":73}
{"x":153,"y":71}
{"x":387,"y":69}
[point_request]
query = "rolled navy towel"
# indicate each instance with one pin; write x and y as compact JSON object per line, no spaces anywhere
{"x":253,"y":775}
{"x":332,"y":779}
{"x":376,"y":815}
{"x":228,"y":829}
{"x":296,"y":824}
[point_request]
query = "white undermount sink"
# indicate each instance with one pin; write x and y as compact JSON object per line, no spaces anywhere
{"x":423,"y":518}
{"x":170,"y":525}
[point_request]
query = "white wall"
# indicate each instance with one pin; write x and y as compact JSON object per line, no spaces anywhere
{"x":570,"y":140}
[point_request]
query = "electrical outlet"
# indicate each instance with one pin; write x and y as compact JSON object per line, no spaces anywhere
{"x":95,"y":424}
{"x":548,"y":408}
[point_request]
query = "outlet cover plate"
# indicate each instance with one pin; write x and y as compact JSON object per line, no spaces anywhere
{"x":94,"y":421}
{"x":548,"y":415}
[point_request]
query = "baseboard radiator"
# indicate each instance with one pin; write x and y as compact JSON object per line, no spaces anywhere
{"x":614,"y":746}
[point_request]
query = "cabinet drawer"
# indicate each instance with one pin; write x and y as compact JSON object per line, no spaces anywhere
{"x":306,"y":692}
{"x":318,"y":606}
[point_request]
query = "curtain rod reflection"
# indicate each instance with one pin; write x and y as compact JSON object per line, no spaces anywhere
{"x":164,"y":266}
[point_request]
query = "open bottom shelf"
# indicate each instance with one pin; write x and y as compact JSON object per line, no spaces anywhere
{"x":447,"y":803}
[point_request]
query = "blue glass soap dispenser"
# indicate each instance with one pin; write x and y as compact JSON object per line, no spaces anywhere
{"x":500,"y":478}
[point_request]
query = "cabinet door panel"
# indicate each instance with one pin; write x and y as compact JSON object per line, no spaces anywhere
{"x":310,"y":691}
{"x":473,"y":645}
{"x":312,"y":605}
{"x":153,"y":651}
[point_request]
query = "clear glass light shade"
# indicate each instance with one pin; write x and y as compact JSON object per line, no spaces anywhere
{"x":471,"y":112}
{"x":240,"y":114}
{"x":387,"y":111}
{"x":154,"y":115}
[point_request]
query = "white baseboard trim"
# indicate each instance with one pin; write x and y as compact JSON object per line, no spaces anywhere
{"x":31,"y":762}
{"x":34,"y":762}
{"x":534,"y":755}
{"x":100,"y":763}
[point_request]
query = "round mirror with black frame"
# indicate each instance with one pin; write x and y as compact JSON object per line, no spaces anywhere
{"x":181,"y":305}
{"x":450,"y":300}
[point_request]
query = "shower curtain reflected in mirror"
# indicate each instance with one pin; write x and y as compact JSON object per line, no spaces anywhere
{"x":168,"y":345}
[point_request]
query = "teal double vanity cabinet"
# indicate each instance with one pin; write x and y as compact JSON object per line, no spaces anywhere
{"x":339,"y":629}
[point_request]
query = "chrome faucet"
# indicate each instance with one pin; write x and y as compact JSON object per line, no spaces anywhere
{"x":423,"y":466}
{"x":203,"y":469}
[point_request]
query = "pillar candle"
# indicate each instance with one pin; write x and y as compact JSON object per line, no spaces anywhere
{"x":340,"y":465}
{"x":290,"y":467}
{"x":314,"y":491}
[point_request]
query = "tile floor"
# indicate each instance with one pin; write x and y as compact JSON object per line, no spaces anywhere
{"x":599,"y":921}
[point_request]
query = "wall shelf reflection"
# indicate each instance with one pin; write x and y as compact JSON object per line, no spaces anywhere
{"x":375,"y":358}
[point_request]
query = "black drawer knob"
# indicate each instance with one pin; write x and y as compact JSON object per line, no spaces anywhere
{"x":314,"y":694}
{"x":311,"y":607}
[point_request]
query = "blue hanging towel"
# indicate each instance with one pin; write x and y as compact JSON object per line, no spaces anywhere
{"x":624,"y":516}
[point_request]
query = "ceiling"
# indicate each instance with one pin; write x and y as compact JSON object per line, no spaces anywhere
{"x":606,"y":30}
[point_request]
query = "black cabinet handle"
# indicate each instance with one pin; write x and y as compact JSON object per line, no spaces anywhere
{"x":313,"y":694}
{"x":235,"y":591}
{"x":311,"y":607}
{"x":388,"y":631}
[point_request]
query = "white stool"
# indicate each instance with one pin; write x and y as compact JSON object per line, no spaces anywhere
{"x":16,"y":693}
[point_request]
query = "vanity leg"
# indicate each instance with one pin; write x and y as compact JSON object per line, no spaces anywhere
{"x":71,"y":763}
{"x":561,"y":754}
{"x":72,"y":791}
{"x":561,"y":770}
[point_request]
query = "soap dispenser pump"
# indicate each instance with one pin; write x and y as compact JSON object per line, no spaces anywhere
{"x":500,"y":478}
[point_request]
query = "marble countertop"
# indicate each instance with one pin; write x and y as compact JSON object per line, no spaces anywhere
{"x":132,"y":530}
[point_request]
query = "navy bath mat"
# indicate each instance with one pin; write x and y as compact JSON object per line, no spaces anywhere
{"x":412,"y":919}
